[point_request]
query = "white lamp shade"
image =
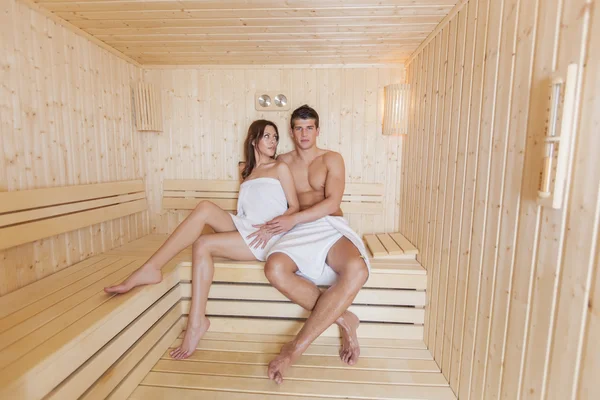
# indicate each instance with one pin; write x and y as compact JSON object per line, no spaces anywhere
{"x":395,"y":121}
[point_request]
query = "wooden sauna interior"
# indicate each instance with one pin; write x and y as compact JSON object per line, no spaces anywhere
{"x":502,"y":300}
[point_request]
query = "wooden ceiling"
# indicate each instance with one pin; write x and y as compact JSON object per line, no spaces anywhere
{"x":177,"y":32}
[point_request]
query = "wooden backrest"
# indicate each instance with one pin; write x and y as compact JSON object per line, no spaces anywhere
{"x":30,"y":215}
{"x":185,"y":194}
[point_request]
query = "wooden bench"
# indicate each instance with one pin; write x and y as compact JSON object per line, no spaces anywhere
{"x":62,"y":337}
{"x":389,"y":245}
{"x":30,"y":215}
{"x":54,"y":327}
{"x":185,"y":194}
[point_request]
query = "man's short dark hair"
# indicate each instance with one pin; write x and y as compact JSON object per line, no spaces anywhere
{"x":304,"y":112}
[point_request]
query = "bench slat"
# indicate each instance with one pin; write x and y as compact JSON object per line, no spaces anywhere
{"x":269,"y":293}
{"x":391,"y":247}
{"x":407,"y":246}
{"x":137,"y":374}
{"x":30,"y":232}
{"x":122,"y":374}
{"x":190,"y":204}
{"x":78,"y":383}
{"x":32,"y":215}
{"x":67,"y":350}
{"x":20,"y":339}
{"x":313,"y":349}
{"x":321,"y":340}
{"x":208,"y":185}
{"x":375,"y":246}
{"x":39,"y":289}
{"x":224,"y":273}
{"x":34,"y":198}
{"x":408,"y":315}
{"x":30,"y":318}
{"x":292,"y":327}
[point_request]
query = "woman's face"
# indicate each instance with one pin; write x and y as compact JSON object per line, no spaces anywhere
{"x":267,"y":145}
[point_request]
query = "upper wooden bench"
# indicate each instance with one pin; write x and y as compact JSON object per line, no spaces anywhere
{"x":185,"y":194}
{"x":30,"y":215}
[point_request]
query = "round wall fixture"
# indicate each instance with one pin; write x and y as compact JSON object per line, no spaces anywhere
{"x":264,"y":100}
{"x":271,"y":100}
{"x":280,"y":100}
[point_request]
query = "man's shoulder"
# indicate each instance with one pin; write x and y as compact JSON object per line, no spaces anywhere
{"x":331,"y":156}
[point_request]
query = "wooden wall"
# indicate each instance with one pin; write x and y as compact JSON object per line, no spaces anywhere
{"x":65,"y":120}
{"x":514,"y":289}
{"x":208,"y":110}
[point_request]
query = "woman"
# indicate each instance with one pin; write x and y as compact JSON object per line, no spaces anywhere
{"x":266,"y":192}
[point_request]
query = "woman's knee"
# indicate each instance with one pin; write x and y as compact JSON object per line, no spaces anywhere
{"x":202,"y":245}
{"x":202,"y":209}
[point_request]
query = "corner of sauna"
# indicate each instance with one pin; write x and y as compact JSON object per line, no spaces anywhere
{"x":118,"y":117}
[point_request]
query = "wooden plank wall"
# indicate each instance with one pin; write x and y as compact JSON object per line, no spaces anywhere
{"x":66,"y":119}
{"x":514,"y":290}
{"x":208,"y":110}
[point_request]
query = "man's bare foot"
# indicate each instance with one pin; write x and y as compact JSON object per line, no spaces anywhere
{"x":145,"y":275}
{"x":288,"y":354}
{"x":350,"y":350}
{"x":193,"y":334}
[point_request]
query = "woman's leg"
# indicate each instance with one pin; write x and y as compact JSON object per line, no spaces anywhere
{"x":206,"y":213}
{"x":229,"y":245}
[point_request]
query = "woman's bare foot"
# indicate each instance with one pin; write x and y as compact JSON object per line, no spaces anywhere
{"x":193,"y":334}
{"x":288,"y":354}
{"x":350,"y":350}
{"x":145,"y":275}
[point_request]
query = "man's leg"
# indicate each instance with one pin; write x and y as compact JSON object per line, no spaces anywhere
{"x":280,"y":270}
{"x":352,"y":272}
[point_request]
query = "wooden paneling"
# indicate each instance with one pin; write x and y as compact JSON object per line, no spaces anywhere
{"x":512,"y":286}
{"x":257,"y":32}
{"x":66,"y":119}
{"x":207,"y":114}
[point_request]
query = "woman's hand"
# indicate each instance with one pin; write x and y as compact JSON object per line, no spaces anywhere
{"x":281,"y":224}
{"x":261,"y":236}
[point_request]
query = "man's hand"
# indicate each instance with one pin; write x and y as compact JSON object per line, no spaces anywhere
{"x":281,"y":224}
{"x":261,"y":236}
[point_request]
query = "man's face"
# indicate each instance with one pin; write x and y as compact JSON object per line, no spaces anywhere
{"x":305,"y":133}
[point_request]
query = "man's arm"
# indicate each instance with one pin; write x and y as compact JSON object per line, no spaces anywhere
{"x":334,"y":191}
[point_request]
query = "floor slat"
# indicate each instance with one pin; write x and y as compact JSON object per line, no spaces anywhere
{"x":291,"y":387}
{"x":314,"y":349}
{"x":382,"y":364}
{"x":161,"y":393}
{"x":302,"y":373}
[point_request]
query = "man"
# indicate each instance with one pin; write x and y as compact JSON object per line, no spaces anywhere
{"x":319,"y":247}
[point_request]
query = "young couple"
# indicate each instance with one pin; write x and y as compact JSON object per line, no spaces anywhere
{"x":289,"y":216}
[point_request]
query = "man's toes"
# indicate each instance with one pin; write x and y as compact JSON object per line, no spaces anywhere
{"x":278,"y":378}
{"x":271,"y":372}
{"x":353,"y":358}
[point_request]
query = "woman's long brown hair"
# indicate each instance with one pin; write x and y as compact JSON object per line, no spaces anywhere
{"x":256,"y":131}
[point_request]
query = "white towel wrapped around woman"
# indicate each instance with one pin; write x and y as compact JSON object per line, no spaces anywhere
{"x":309,"y":243}
{"x":260,"y":200}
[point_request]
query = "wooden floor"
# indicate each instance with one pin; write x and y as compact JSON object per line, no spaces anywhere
{"x":233,"y":366}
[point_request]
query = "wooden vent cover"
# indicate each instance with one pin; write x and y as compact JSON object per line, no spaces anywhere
{"x":395,"y":112}
{"x":148,"y":109}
